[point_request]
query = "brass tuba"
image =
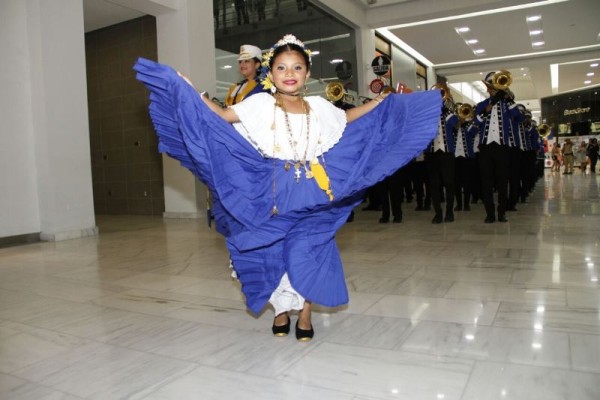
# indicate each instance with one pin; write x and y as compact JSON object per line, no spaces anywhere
{"x":501,"y":80}
{"x":464,"y":111}
{"x":334,"y":91}
{"x":544,"y":130}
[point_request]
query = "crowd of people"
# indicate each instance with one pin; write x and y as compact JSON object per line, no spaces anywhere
{"x":568,"y":154}
{"x":492,"y":147}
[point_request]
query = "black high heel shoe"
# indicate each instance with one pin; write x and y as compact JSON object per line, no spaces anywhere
{"x":304,"y":335}
{"x":281,"y":330}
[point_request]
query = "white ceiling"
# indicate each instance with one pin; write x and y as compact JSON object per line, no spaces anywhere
{"x":571,"y":30}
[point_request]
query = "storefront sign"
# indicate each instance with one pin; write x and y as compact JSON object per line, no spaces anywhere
{"x":578,"y":110}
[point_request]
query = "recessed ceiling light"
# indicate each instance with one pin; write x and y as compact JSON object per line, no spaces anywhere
{"x":336,"y":61}
{"x":533,"y":18}
{"x":462,"y":29}
{"x":479,"y":51}
{"x":472,"y":41}
{"x":314,"y":53}
{"x":587,"y":82}
{"x":594,"y":65}
{"x":538,"y":44}
{"x":536,"y":32}
{"x":226,"y":67}
{"x":590,"y":74}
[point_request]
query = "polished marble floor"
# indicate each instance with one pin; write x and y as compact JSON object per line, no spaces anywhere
{"x":459,"y":311}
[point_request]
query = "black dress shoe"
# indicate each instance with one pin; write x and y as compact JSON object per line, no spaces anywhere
{"x":419,"y":208}
{"x":449,"y":218}
{"x":304,"y":335}
{"x":510,"y":209}
{"x":397,"y":220}
{"x":426,"y":208}
{"x":489,"y":220}
{"x":502,"y":218}
{"x":383,"y":220}
{"x":467,"y":208}
{"x":458,"y":208}
{"x":437,"y":219}
{"x":281,"y":330}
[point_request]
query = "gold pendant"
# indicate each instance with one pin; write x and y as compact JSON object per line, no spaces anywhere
{"x":297,"y":165}
{"x":287,"y":166}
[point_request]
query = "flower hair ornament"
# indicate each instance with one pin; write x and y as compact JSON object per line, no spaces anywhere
{"x":266,"y":59}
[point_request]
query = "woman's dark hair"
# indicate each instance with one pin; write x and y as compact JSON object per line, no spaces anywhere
{"x":290,"y":47}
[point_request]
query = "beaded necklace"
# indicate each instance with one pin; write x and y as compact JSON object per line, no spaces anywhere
{"x":298,"y":162}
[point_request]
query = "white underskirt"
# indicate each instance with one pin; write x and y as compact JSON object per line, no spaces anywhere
{"x":285,"y":298}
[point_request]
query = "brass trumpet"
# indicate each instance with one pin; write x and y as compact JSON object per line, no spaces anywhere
{"x":501,"y":80}
{"x":544,"y":130}
{"x":444,"y":89}
{"x":334,"y":91}
{"x":464,"y":111}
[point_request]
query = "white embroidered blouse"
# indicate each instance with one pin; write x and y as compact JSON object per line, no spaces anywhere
{"x":256,"y":114}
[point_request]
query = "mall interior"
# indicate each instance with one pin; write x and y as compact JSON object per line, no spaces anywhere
{"x":115,"y":284}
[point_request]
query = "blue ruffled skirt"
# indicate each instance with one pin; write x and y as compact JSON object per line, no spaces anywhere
{"x":300,"y":240}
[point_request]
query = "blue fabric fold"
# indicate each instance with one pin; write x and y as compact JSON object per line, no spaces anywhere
{"x":300,"y":240}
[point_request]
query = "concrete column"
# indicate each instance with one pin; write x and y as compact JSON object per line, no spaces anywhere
{"x":186,"y":42}
{"x":46,"y":159}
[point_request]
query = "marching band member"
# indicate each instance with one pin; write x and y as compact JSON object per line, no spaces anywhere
{"x":494,"y":116}
{"x":440,"y":160}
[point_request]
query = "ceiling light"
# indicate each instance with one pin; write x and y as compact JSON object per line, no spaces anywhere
{"x":479,"y":51}
{"x":336,"y":61}
{"x":590,"y":74}
{"x":314,"y":53}
{"x":533,"y":18}
{"x":594,"y":65}
{"x":472,"y":41}
{"x":536,"y":32}
{"x":538,"y":44}
{"x":587,"y":82}
{"x":226,"y":67}
{"x":462,"y":29}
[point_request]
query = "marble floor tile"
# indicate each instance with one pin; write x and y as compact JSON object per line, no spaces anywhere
{"x":99,"y":371}
{"x":381,"y":374}
{"x":216,"y":384}
{"x":578,"y":297}
{"x":22,"y":345}
{"x":548,"y":318}
{"x":585,"y":352}
{"x":12,"y":388}
{"x":538,"y":295}
{"x":499,"y":381}
{"x":432,"y":309}
{"x":151,"y":281}
{"x":148,"y":301}
{"x":482,"y":343}
{"x":369,"y":331}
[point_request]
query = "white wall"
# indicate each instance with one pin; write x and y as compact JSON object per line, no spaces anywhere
{"x":19,"y":213}
{"x":46,"y":168}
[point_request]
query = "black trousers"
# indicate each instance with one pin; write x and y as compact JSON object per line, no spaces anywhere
{"x":463,"y":173}
{"x":420,"y":181}
{"x":493,"y":166}
{"x":514,"y":176}
{"x":440,"y":168}
{"x":475,"y":180}
{"x":390,"y":194}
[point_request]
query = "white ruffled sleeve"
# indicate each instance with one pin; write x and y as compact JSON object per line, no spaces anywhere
{"x":256,"y":120}
{"x":330,"y":120}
